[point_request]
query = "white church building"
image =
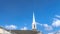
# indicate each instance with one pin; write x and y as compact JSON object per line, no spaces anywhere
{"x":33,"y":31}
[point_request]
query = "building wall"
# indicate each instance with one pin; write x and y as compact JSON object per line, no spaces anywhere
{"x":2,"y":31}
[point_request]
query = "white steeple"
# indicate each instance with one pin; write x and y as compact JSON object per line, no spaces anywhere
{"x":33,"y":23}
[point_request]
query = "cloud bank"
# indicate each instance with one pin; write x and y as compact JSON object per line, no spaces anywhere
{"x":51,"y":33}
{"x":24,"y":28}
{"x":56,"y":23}
{"x":47,"y":27}
{"x":11,"y":27}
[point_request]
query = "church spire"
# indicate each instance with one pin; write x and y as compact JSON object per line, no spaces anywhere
{"x":33,"y":18}
{"x":33,"y":23}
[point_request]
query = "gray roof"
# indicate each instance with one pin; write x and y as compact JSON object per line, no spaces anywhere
{"x":24,"y":32}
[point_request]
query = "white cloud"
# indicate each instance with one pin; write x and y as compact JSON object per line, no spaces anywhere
{"x":39,"y":24}
{"x":10,"y":27}
{"x":51,"y":33}
{"x":58,"y":16}
{"x":24,"y":28}
{"x":56,"y":23}
{"x":47,"y":27}
{"x":57,"y":32}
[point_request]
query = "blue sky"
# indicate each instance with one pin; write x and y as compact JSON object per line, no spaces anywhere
{"x":20,"y":12}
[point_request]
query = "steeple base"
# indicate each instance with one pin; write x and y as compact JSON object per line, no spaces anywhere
{"x":34,"y":30}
